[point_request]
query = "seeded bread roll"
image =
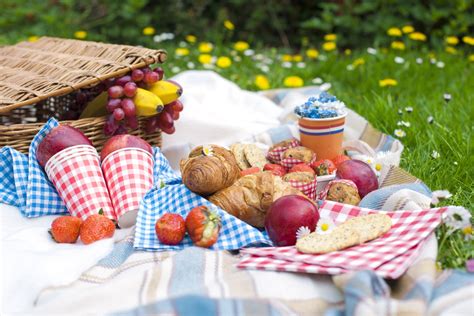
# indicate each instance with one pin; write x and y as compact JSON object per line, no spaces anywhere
{"x":301,"y":153}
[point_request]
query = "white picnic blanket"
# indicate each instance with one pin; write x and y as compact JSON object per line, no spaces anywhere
{"x":40,"y":276}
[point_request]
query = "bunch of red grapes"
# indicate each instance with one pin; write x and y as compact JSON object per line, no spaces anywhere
{"x":122,"y":109}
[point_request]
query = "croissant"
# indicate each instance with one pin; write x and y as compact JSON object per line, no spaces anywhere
{"x":250,"y":197}
{"x":209,"y":169}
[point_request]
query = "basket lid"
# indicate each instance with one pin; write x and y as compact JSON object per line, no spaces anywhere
{"x":34,"y":71}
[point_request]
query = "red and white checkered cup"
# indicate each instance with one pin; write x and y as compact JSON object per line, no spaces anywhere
{"x":274,"y":155}
{"x":307,"y":188}
{"x":129,"y":175}
{"x":289,"y":163}
{"x":76,"y":174}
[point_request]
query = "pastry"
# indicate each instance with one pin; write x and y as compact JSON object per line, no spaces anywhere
{"x":250,"y":197}
{"x":255,"y":156}
{"x":209,"y":169}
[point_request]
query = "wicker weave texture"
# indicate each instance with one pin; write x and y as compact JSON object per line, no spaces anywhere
{"x":50,"y":67}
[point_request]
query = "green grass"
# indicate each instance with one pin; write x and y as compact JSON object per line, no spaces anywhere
{"x":420,"y":86}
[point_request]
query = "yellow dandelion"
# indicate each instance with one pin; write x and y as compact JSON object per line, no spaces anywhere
{"x":451,"y":40}
{"x":347,"y":51}
{"x":471,"y":58}
{"x":223,"y":62}
{"x":181,"y":51}
{"x":468,"y":40}
{"x":205,"y":59}
{"x":190,"y":38}
{"x":293,"y":82}
{"x":330,"y":37}
{"x":149,"y":30}
{"x":312,"y":53}
{"x":358,"y":62}
{"x":241,"y":46}
{"x":417,"y":36}
{"x":287,"y":58}
{"x":33,"y":38}
{"x":398,"y":45}
{"x":451,"y":50}
{"x":329,"y":46}
{"x":407,"y":29}
{"x":387,"y":82}
{"x":205,"y":47}
{"x":80,"y":34}
{"x":262,"y":82}
{"x":394,"y":31}
{"x":297,"y":58}
{"x":229,"y":25}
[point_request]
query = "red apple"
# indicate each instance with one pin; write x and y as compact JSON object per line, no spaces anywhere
{"x":124,"y":141}
{"x":360,"y":173}
{"x":286,"y":215}
{"x":60,"y":137}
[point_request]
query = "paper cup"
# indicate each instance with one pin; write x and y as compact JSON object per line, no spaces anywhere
{"x":323,"y":136}
{"x":128,"y":173}
{"x":308,"y":189}
{"x":76,"y":174}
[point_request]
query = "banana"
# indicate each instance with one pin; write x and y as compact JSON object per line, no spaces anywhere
{"x":96,"y":107}
{"x":147,"y":103}
{"x":167,"y":90}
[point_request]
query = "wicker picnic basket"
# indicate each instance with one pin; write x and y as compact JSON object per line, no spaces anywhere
{"x":42,"y":79}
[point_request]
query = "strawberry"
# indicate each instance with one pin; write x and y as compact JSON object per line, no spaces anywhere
{"x":340,"y":159}
{"x":275,"y":169}
{"x":203,"y":226}
{"x":170,"y":229}
{"x":96,"y":227}
{"x":248,"y":171}
{"x":65,"y":229}
{"x":323,"y":167}
{"x":302,"y":167}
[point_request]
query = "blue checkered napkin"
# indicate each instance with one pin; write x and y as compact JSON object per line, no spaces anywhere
{"x":25,"y":184}
{"x":174,"y":197}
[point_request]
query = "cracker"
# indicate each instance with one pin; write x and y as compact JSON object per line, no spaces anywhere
{"x":238,"y":151}
{"x":255,"y":156}
{"x":339,"y":238}
{"x":369,"y":226}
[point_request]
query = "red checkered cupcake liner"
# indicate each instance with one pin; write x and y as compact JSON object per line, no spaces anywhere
{"x":274,"y":155}
{"x":307,"y":188}
{"x":76,"y":174}
{"x":324,"y":193}
{"x":128,"y":173}
{"x":289,"y":163}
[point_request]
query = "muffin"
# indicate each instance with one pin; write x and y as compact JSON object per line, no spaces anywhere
{"x":300,"y":153}
{"x":343,"y":193}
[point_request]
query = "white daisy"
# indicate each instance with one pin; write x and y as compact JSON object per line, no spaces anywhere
{"x":435,"y":154}
{"x":403,"y":123}
{"x":175,"y":69}
{"x":317,"y":80}
{"x":399,"y":60}
{"x":400,"y":133}
{"x":372,"y":51}
{"x":325,"y":225}
{"x":265,"y":68}
{"x":237,"y":58}
{"x":303,"y":231}
{"x":207,"y":150}
{"x":419,"y":61}
{"x":301,"y":65}
{"x":447,"y":97}
{"x":409,"y":109}
{"x":456,"y":217}
{"x":249,"y":52}
{"x":322,"y":57}
{"x":190,"y":65}
{"x":258,"y":57}
{"x":286,"y":64}
{"x":430,"y":119}
{"x":440,"y":64}
{"x":438,"y":195}
{"x":350,"y":67}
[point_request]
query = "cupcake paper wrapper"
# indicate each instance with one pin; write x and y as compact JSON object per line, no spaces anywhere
{"x":274,"y":155}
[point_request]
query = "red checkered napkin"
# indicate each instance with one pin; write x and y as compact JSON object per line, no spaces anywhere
{"x":76,"y":174}
{"x":309,"y":189}
{"x":129,"y":175}
{"x":391,"y":269}
{"x":409,"y":230}
{"x":274,"y":155}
